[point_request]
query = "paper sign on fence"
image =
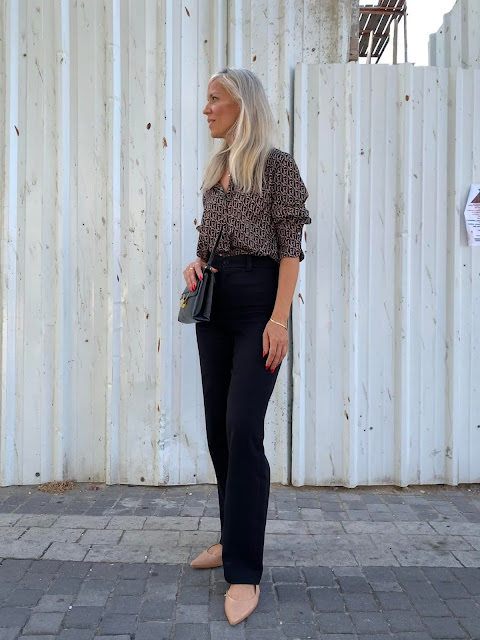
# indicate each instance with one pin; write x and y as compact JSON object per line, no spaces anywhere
{"x":472,"y":216}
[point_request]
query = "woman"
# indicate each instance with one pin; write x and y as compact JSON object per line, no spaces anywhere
{"x":254,"y":192}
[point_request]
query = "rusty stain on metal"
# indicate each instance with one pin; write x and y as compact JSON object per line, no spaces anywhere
{"x":148,"y":125}
{"x":164,"y":142}
{"x":188,"y":12}
{"x":288,"y":116}
{"x":18,"y":133}
{"x":301,"y":298}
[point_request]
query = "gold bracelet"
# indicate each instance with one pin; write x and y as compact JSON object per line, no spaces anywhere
{"x":282,"y":325}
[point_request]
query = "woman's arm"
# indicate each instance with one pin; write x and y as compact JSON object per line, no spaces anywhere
{"x":287,"y":281}
{"x":275,"y":337}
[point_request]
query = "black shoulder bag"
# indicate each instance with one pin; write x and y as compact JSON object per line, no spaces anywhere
{"x":196,"y":305}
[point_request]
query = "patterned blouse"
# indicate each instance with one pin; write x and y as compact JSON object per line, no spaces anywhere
{"x":264,"y":225}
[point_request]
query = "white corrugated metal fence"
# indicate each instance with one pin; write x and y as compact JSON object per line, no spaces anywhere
{"x":387,"y":312}
{"x":104,"y":147}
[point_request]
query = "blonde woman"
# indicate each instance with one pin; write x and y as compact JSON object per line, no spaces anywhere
{"x":254,"y":192}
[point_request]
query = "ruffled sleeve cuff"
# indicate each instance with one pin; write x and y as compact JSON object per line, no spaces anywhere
{"x":288,"y":208}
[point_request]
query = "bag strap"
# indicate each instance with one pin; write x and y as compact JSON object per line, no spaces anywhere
{"x":212,"y":254}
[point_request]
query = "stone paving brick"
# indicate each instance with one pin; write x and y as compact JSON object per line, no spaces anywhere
{"x":83,"y":617}
{"x":5,"y":590}
{"x":262,"y":634}
{"x":287,"y":574}
{"x":13,"y":616}
{"x":23,"y":597}
{"x":191,"y":613}
{"x":156,"y":610}
{"x":444,"y":628}
{"x":66,"y":586}
{"x":115,"y":623}
{"x":105,"y":553}
{"x":393,"y":601}
{"x":318,"y":576}
{"x":161,"y":591}
{"x":71,"y":569}
{"x":326,"y":599}
{"x":65,"y":551}
{"x":295,"y":612}
{"x":186,"y":631}
{"x":179,"y":555}
{"x":151,"y":631}
{"x":101,"y":536}
{"x":19,"y":549}
{"x":338,"y":623}
{"x":297,"y":631}
{"x":471,"y":626}
{"x":224,"y":631}
{"x":52,"y":603}
{"x":130,"y":587}
{"x":193,"y":595}
{"x":353,"y":584}
{"x":262,"y":620}
{"x":404,"y":621}
{"x":360,"y":602}
{"x":464,"y":608}
{"x":369,"y":622}
{"x":44,"y":623}
{"x":91,"y":598}
{"x":124,"y":604}
{"x":431,"y":608}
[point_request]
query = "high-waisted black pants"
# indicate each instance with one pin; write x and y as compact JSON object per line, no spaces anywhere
{"x":236,"y":391}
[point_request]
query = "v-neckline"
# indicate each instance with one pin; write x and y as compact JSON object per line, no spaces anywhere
{"x":228,"y":186}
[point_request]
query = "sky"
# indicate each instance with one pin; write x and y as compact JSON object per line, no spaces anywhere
{"x":423,"y":18}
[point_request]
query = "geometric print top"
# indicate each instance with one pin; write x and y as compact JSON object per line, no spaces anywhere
{"x":263,"y":225}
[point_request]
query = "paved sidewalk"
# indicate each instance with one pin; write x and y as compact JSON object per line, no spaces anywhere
{"x":340,"y":564}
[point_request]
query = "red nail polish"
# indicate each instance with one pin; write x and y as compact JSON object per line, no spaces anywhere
{"x":266,"y":366}
{"x":264,"y":353}
{"x":272,"y":370}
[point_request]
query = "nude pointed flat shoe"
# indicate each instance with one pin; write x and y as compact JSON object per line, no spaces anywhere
{"x":238,"y":610}
{"x":207,"y":560}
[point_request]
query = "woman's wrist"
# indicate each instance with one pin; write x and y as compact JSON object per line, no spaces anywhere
{"x":279,"y":317}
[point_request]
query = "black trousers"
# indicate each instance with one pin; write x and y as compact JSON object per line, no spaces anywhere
{"x":236,"y":391}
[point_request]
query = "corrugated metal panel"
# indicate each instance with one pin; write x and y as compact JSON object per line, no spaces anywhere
{"x":105,"y":145}
{"x":456,"y":43}
{"x":269,"y":37}
{"x":387,"y":312}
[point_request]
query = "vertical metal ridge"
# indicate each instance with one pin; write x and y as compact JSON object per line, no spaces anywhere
{"x":455,"y":44}
{"x":8,"y":405}
{"x":114,"y":198}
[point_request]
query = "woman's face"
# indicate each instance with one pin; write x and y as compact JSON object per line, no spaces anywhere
{"x":221,"y":110}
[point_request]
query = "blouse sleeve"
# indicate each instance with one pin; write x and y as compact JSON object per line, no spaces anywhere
{"x":288,"y":208}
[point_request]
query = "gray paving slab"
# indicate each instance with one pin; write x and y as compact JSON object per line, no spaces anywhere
{"x":365,"y":563}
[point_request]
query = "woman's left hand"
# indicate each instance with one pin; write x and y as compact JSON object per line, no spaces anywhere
{"x":275,"y":342}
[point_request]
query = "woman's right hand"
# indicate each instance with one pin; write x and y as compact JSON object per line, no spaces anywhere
{"x":194,"y":270}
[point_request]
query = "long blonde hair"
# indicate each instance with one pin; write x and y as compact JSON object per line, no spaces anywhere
{"x":252,"y":133}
